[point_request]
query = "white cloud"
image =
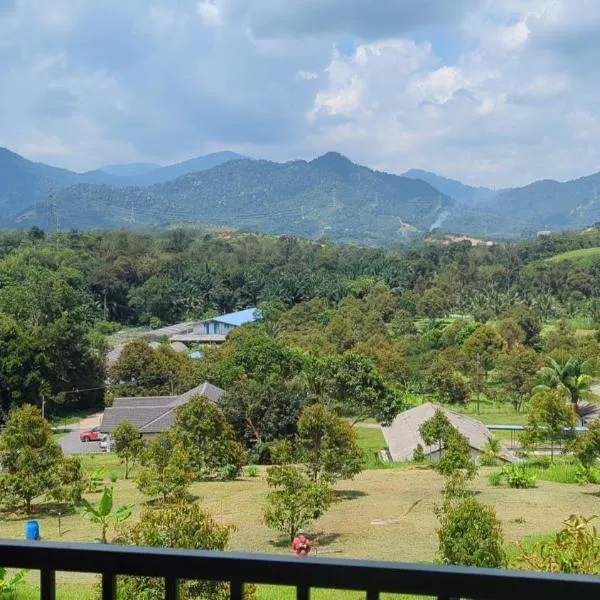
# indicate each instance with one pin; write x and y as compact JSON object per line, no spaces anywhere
{"x":491,"y":91}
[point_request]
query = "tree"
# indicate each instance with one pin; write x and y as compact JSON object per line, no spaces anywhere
{"x":470,"y":534}
{"x":447,"y":384}
{"x":511,"y":333}
{"x":104,"y":514}
{"x":294,"y":500}
{"x":327,"y":445}
{"x":517,"y":372}
{"x":45,"y":317}
{"x":586,"y":445}
{"x":433,"y":304}
{"x":263,"y":411}
{"x":29,"y":456}
{"x":351,"y":385}
{"x":70,"y":482}
{"x":251,"y":354}
{"x":483,"y":347}
{"x":572,"y":377}
{"x":165,"y":468}
{"x":177,"y":526}
{"x":208,"y":437}
{"x":128,"y":444}
{"x":436,"y":430}
{"x":549,"y":417}
{"x":141,"y":370}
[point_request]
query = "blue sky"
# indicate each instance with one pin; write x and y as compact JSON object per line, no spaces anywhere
{"x":492,"y":92}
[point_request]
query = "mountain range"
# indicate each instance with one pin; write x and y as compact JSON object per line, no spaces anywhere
{"x":328,"y":196}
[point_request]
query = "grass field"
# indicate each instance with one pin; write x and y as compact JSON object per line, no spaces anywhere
{"x":383,"y":514}
{"x":584,"y":256}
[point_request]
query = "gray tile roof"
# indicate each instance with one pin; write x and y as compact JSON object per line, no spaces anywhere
{"x":153,"y":414}
{"x":137,"y":416}
{"x":402,"y":435}
{"x":145,"y":401}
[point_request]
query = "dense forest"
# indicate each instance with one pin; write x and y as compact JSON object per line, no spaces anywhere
{"x":447,"y":320}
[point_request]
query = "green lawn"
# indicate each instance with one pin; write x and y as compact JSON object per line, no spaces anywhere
{"x":385,"y":514}
{"x":584,"y":256}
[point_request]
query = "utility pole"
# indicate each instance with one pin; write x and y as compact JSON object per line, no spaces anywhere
{"x":132,"y":215}
{"x":302,"y":212}
{"x":43,"y":406}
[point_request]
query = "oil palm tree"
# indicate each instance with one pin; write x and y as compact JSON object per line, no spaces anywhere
{"x":573,"y":376}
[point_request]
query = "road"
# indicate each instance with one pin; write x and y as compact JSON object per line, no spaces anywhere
{"x":70,"y":442}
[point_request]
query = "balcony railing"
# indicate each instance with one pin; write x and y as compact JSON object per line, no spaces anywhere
{"x":370,"y":577}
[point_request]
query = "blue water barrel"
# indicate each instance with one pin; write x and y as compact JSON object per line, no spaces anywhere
{"x":32,"y":530}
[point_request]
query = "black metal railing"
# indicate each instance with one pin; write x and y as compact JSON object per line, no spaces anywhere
{"x":303,"y":573}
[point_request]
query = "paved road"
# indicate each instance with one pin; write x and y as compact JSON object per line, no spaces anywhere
{"x":70,"y":442}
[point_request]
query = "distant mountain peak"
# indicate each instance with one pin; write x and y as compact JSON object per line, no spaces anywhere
{"x":335,"y":162}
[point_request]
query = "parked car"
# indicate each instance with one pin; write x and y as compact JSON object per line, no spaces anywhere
{"x":93,"y":435}
{"x":105,"y":444}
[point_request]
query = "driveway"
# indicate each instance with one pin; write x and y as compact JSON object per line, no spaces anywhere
{"x":70,"y":442}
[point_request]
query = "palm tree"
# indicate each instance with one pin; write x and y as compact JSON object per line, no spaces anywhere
{"x":573,"y":377}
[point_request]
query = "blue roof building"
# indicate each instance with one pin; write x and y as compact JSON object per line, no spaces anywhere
{"x":223,"y":324}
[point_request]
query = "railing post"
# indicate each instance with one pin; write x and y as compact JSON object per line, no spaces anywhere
{"x":109,"y":591}
{"x":47,"y":584}
{"x":236,"y":590}
{"x":302,"y":592}
{"x":171,"y":588}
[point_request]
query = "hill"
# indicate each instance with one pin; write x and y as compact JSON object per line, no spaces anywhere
{"x":161,"y":174}
{"x":25,"y":183}
{"x":329,"y":196}
{"x":130,"y":169}
{"x":552,"y":204}
{"x":455,"y":189}
{"x":585,"y":257}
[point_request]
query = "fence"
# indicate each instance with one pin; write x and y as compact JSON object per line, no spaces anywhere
{"x":371,"y":578}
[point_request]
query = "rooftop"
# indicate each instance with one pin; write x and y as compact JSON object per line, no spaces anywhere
{"x":153,"y":414}
{"x":241,"y":317}
{"x":402,"y":435}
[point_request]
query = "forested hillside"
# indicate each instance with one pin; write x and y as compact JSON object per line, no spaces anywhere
{"x":61,"y":294}
{"x":328,"y":196}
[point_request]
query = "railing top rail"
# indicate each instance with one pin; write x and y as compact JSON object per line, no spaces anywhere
{"x":290,"y":570}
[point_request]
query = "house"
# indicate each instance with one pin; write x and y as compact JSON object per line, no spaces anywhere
{"x":216,"y":329}
{"x":153,"y":414}
{"x":225,"y":323}
{"x":402,"y":435}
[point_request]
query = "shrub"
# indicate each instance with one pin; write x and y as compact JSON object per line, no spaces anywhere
{"x":419,"y":454}
{"x":113,"y":476}
{"x":517,"y":476}
{"x":252,"y":471}
{"x":471,"y":535}
{"x":574,"y":549}
{"x":155,"y":323}
{"x":495,"y":478}
{"x":229,"y":472}
{"x":585,"y":474}
{"x":176,"y":526}
{"x":487,"y":460}
{"x":8,"y":585}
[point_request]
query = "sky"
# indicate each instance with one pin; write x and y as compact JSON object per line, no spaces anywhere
{"x":491,"y":92}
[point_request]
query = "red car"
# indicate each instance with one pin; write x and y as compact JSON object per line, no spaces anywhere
{"x":93,"y":435}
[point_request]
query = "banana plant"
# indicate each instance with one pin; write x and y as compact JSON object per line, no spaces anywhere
{"x":8,"y":587}
{"x":104,"y":514}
